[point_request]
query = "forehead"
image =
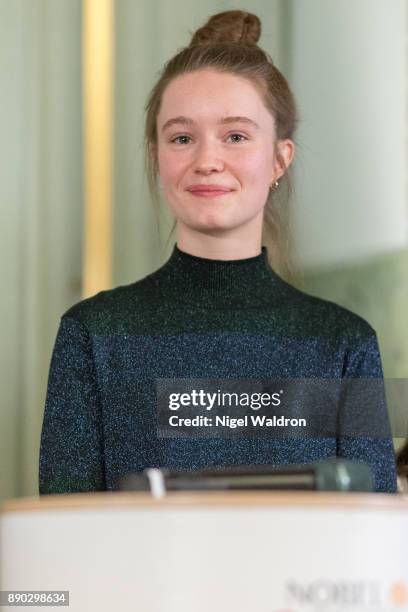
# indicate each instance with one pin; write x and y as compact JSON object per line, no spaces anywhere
{"x":210,"y":94}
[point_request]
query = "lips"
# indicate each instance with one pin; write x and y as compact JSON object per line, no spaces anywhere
{"x":208,"y":189}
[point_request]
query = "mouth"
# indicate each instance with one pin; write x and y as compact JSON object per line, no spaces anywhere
{"x":203,"y":193}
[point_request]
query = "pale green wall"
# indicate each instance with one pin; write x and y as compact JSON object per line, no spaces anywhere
{"x":41,"y":214}
{"x":348,"y":69}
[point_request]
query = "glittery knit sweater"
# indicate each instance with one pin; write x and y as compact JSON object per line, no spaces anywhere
{"x":193,"y":318}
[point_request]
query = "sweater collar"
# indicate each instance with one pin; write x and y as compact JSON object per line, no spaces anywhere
{"x":235,"y":283}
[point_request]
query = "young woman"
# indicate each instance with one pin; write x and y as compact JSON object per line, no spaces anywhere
{"x":219,"y":135}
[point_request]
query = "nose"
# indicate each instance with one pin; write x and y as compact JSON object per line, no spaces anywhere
{"x":207,"y":159}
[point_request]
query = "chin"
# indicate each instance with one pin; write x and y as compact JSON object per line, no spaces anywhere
{"x":212,"y":228}
{"x":208,"y":219}
{"x":210,"y":222}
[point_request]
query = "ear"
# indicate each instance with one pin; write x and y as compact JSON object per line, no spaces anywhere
{"x":286,"y":149}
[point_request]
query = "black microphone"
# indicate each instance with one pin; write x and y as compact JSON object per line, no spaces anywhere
{"x":327,"y":475}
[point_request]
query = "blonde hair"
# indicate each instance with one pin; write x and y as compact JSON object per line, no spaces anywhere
{"x":228,"y":43}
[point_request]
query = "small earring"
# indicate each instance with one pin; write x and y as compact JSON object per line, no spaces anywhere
{"x":274,"y":186}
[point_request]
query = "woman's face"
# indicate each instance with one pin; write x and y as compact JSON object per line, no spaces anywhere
{"x":205,"y":146}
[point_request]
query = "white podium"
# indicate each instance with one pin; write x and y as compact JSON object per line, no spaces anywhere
{"x":217,"y":552}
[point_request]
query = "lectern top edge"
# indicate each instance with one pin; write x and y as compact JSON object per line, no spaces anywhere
{"x":124,"y":499}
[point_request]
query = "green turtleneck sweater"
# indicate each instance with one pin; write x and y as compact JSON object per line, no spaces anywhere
{"x":193,"y":318}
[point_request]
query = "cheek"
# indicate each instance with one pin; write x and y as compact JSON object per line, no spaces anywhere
{"x":255,"y":172}
{"x":254,"y":166}
{"x":259,"y":166}
{"x":170,"y":167}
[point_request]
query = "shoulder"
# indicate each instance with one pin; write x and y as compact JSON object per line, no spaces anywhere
{"x":314,"y":315}
{"x":331,"y":326}
{"x":111,"y":308}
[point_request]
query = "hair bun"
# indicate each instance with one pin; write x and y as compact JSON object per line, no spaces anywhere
{"x":229,"y":27}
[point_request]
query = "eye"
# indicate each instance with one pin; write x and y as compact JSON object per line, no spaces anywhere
{"x":177,"y":137}
{"x":241,"y":136}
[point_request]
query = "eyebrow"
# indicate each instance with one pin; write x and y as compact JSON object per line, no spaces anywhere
{"x":224,"y":120}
